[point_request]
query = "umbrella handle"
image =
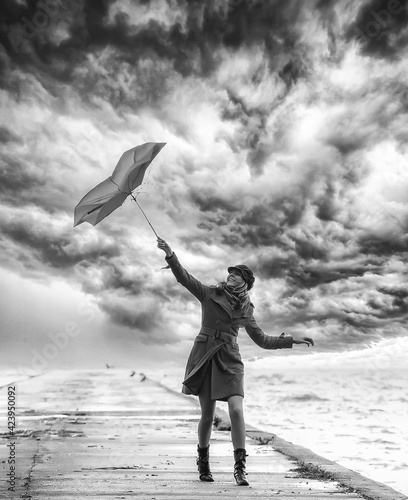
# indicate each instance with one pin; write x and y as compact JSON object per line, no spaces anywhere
{"x":141,"y":209}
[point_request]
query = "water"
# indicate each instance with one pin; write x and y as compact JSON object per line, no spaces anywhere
{"x":355,"y":417}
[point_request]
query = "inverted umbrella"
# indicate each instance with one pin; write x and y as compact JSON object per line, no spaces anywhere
{"x":107,"y":196}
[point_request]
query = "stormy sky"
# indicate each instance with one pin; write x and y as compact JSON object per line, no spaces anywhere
{"x":287,"y":140}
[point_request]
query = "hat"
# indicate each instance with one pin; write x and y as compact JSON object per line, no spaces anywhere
{"x":246,"y":273}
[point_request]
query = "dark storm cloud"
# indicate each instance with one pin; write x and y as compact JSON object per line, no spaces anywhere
{"x":398,"y":308}
{"x":26,"y":35}
{"x":144,"y":321}
{"x":326,"y":208}
{"x":208,"y":202}
{"x":264,"y":224}
{"x":380,"y":28}
{"x":141,"y":314}
{"x":400,"y":293}
{"x":208,"y":27}
{"x":276,"y":266}
{"x":384,"y":244}
{"x":308,"y":276}
{"x":6,"y":135}
{"x":253,"y":22}
{"x":56,"y":62}
{"x":292,"y":71}
{"x":16,"y":181}
{"x":253,"y":120}
{"x":128,"y":279}
{"x":50,"y":248}
{"x":115,"y":277}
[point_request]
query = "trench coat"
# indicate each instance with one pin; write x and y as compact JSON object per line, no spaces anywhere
{"x":215,"y":347}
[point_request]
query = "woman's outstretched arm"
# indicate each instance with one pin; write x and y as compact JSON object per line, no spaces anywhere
{"x":270,"y":342}
{"x":182,"y":276}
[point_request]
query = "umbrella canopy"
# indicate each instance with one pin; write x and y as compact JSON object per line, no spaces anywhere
{"x":113,"y":191}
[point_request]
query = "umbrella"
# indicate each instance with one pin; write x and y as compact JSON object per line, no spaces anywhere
{"x":107,"y":196}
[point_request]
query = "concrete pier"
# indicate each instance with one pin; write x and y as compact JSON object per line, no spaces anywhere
{"x":114,"y":434}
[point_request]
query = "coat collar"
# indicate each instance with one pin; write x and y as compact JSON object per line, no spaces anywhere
{"x":222,"y":300}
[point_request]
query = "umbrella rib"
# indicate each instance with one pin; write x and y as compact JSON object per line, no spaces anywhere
{"x":120,"y":191}
{"x":128,"y":179}
{"x":94,"y":209}
{"x":115,"y":183}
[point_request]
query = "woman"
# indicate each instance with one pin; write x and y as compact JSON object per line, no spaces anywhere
{"x":214,"y":368}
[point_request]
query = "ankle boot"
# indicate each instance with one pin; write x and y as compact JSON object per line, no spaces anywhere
{"x":203,"y":464}
{"x":239,"y":468}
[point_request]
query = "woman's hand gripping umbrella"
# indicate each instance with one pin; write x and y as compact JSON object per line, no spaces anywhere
{"x":110,"y":194}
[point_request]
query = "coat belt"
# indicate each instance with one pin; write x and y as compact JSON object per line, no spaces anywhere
{"x":218,"y":334}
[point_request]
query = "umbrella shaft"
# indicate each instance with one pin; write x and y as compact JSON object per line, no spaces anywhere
{"x":141,"y":209}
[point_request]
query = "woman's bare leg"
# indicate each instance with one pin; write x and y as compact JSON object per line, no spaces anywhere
{"x":207,"y":412}
{"x":236,"y":413}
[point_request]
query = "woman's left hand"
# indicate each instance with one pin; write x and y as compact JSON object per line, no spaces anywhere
{"x":304,"y":340}
{"x":163,"y":245}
